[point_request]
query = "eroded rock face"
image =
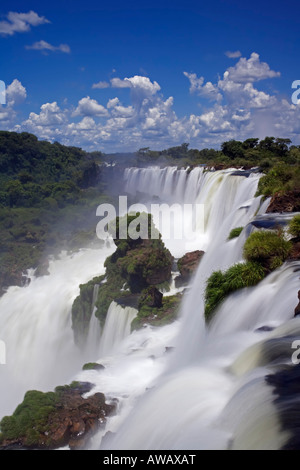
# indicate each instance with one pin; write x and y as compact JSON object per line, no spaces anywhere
{"x":189,"y":262}
{"x":288,"y":202}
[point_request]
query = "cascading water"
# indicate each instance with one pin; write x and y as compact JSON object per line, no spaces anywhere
{"x":181,"y":386}
{"x":199,"y":401}
{"x":35,"y":325}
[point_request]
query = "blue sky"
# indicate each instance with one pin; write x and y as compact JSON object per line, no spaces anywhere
{"x":156,"y":74}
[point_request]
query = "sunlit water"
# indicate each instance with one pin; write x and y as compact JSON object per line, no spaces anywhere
{"x":181,"y":386}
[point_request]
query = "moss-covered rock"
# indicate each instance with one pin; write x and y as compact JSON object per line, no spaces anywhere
{"x":55,"y":419}
{"x":220,"y":285}
{"x":294,"y":226}
{"x":235,"y":232}
{"x":155,"y":316}
{"x":82,"y":309}
{"x":135,"y":265}
{"x":92,"y":366}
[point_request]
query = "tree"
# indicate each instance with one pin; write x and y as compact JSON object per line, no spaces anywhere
{"x":233,"y":149}
{"x":250,"y":143}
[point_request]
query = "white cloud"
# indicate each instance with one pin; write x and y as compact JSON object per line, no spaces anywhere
{"x":240,"y":110}
{"x":208,"y":90}
{"x":45,"y":46}
{"x":15,"y":93}
{"x":89,"y":107}
{"x":251,"y":70}
{"x":143,"y":83}
{"x":233,"y":54}
{"x":119,"y":83}
{"x":50,"y":115}
{"x":100,"y":85}
{"x":20,"y":22}
{"x":113,"y":102}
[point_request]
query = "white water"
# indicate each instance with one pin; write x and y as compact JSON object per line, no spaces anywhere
{"x":117,"y":327}
{"x":206,"y":393}
{"x":35,"y":324}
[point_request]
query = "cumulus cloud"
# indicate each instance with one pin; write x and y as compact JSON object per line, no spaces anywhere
{"x":233,"y":54}
{"x":236,"y":109}
{"x":50,"y":115}
{"x":207,"y":90}
{"x":119,"y":83}
{"x":45,"y":47}
{"x":250,"y":70}
{"x":89,"y":107}
{"x":15,"y":93}
{"x":100,"y":85}
{"x":20,"y":22}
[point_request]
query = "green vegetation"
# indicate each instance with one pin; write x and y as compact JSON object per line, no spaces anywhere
{"x":264,"y":251}
{"x":136,"y":264}
{"x":280,"y":179}
{"x":294,"y":226}
{"x":30,"y":418}
{"x":235,"y":232}
{"x":267,"y":248}
{"x":50,"y":420}
{"x":92,"y":366}
{"x":252,"y":152}
{"x":158,"y":316}
{"x":47,"y":199}
{"x":220,"y":285}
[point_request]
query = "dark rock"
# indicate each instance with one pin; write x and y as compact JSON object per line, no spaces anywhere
{"x":188,"y":264}
{"x":295,"y":254}
{"x":151,"y":297}
{"x":264,"y":328}
{"x":287,"y":202}
{"x":160,"y":275}
{"x":130,"y":300}
{"x":297,"y":309}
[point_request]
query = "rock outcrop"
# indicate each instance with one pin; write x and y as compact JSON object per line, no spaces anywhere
{"x":287,"y":202}
{"x":55,"y":419}
{"x":187,"y":265}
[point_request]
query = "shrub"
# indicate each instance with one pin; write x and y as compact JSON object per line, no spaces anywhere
{"x":294,"y":226}
{"x":235,"y":232}
{"x":267,"y":248}
{"x":238,"y":276}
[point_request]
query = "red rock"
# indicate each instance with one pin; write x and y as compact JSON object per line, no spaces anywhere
{"x":287,"y":202}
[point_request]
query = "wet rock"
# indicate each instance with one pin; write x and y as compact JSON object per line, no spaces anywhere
{"x":70,"y":421}
{"x":264,"y":328}
{"x":287,"y":202}
{"x":188,"y":264}
{"x":295,"y":254}
{"x":151,"y":297}
{"x":297,"y":309}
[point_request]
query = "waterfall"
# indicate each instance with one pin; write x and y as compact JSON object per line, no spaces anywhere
{"x":35,"y":325}
{"x":117,"y":326}
{"x":212,"y":393}
{"x":181,"y":386}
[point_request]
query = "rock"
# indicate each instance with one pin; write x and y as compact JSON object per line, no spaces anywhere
{"x":151,"y":297}
{"x":297,"y":309}
{"x":295,"y":254}
{"x":287,"y":202}
{"x":265,"y":328}
{"x":188,"y":264}
{"x":70,"y":421}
